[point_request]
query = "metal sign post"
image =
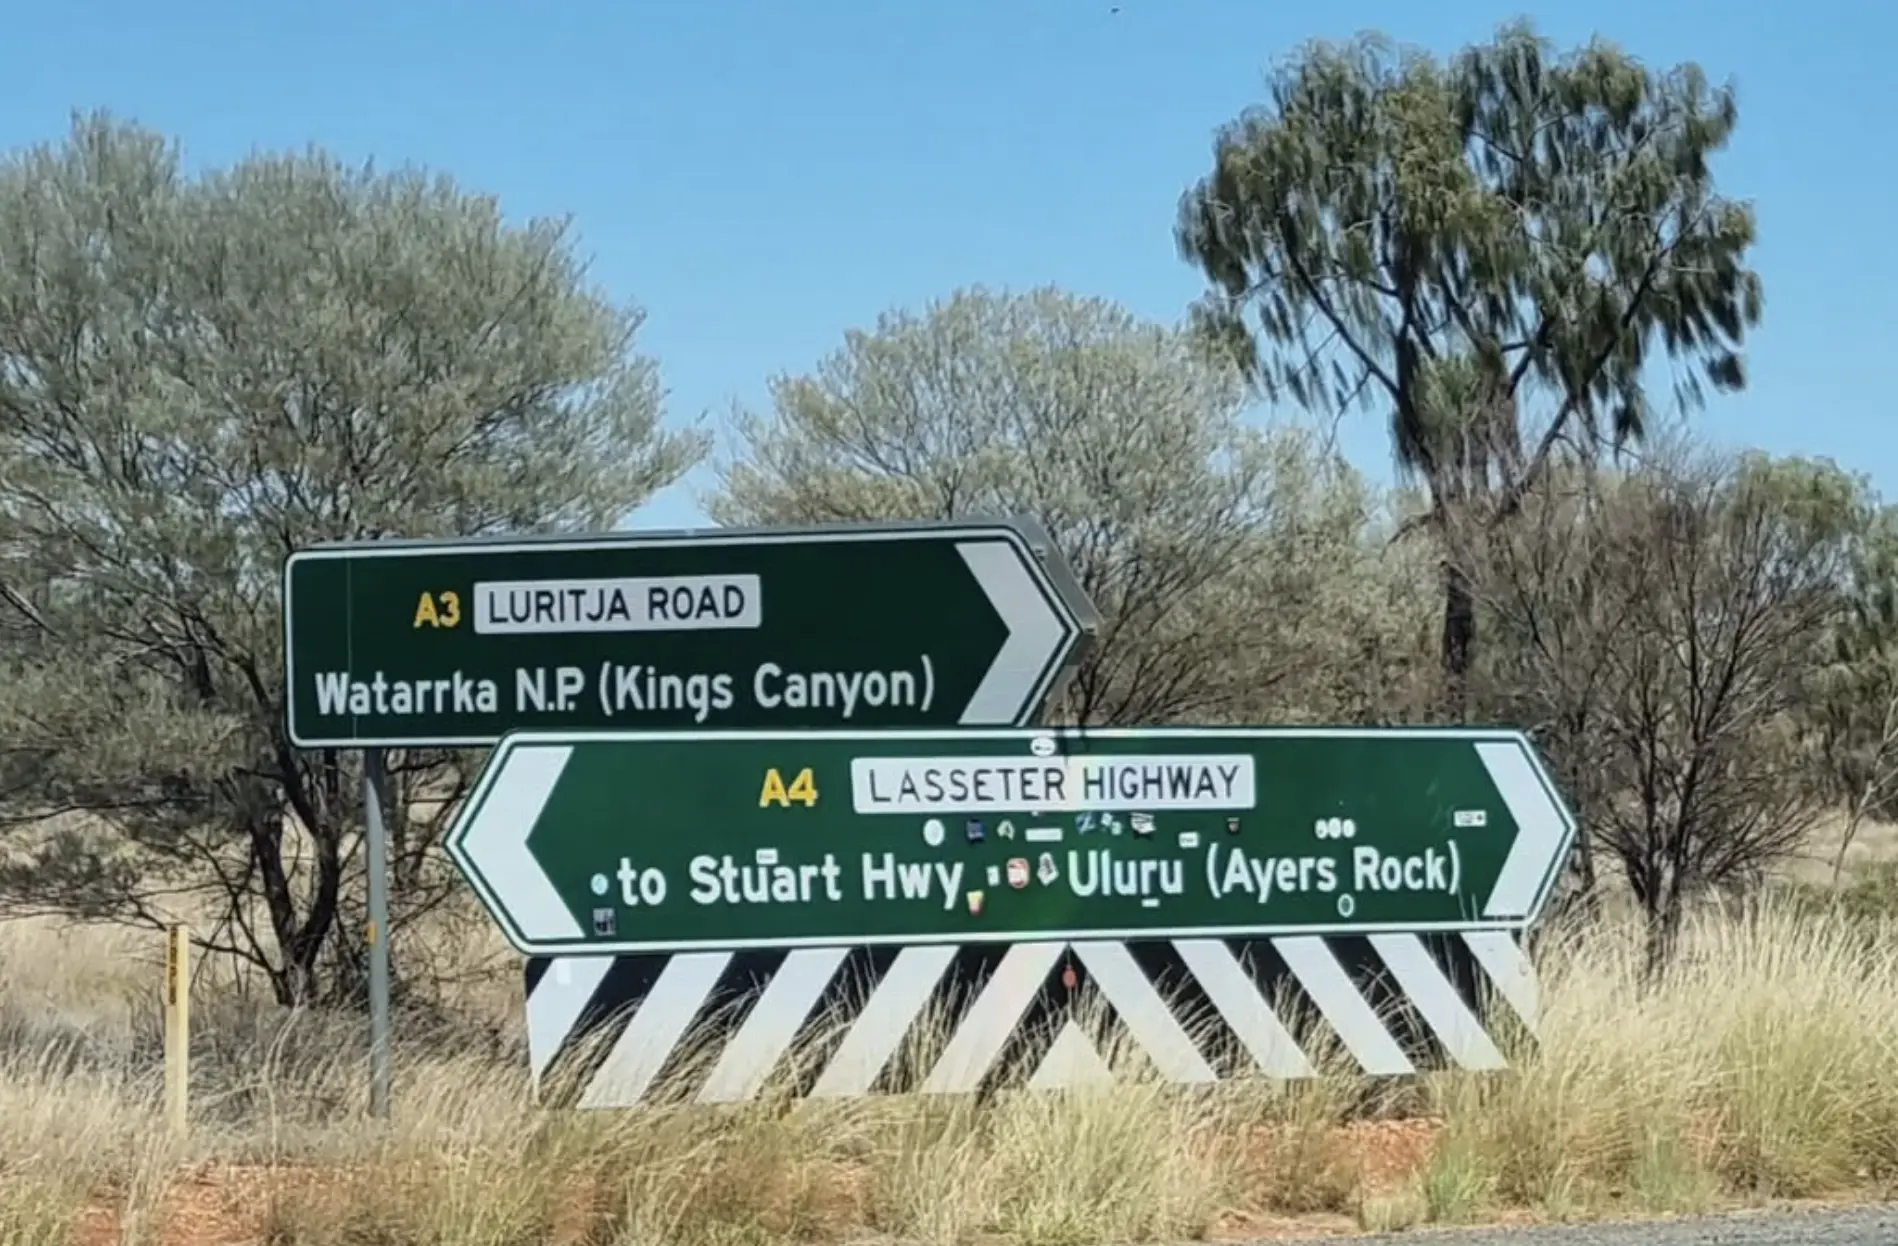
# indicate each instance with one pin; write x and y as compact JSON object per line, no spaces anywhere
{"x":377,"y":850}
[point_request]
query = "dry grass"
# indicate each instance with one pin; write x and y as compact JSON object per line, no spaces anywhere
{"x":1873,"y":845}
{"x":1765,"y":1067}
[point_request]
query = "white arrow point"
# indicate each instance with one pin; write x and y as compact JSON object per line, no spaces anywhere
{"x":1542,"y":828}
{"x":495,"y":843}
{"x":1036,"y":632}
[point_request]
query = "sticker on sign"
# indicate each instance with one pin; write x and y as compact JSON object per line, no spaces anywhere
{"x":673,"y":603}
{"x":1071,"y":784}
{"x":723,"y":840}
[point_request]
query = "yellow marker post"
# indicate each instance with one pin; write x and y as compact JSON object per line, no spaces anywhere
{"x":177,"y":1027}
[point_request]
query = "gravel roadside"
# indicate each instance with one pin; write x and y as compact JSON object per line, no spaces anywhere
{"x":1855,"y":1226}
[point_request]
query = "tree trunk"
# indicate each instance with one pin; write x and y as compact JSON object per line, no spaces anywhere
{"x":1581,"y":862}
{"x":1588,"y":897}
{"x":1459,"y":638}
{"x":299,"y":937}
{"x":1662,"y":892}
{"x":1664,"y":929}
{"x":1854,"y":816}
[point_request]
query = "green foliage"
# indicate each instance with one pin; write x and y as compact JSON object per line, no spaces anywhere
{"x":1395,"y":225}
{"x":1224,"y":559}
{"x":198,"y":375}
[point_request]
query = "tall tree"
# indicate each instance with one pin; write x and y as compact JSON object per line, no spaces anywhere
{"x":1212,"y":549}
{"x":197,"y":376}
{"x":1488,"y":249}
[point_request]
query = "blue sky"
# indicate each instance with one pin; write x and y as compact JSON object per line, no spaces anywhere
{"x":762,"y":177}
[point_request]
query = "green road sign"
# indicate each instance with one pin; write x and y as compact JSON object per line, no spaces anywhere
{"x":400,"y":642}
{"x":680,"y":841}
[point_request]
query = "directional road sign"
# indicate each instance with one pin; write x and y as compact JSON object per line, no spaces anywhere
{"x":418,"y":643}
{"x":686,"y":841}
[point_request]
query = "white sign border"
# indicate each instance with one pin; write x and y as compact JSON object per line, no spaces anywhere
{"x":1078,"y":622}
{"x":584,"y":947}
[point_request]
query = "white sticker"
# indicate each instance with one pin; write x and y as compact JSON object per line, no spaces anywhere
{"x":1472,"y":817}
{"x":767,"y":856}
{"x":1042,"y":834}
{"x":1189,"y":839}
{"x":995,"y":876}
{"x":932,"y":832}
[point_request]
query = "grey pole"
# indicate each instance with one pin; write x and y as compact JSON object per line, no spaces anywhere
{"x":378,"y":932}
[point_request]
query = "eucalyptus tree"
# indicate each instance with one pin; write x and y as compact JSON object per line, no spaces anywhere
{"x":1491,"y":249}
{"x":199,"y":374}
{"x":1216,"y":551}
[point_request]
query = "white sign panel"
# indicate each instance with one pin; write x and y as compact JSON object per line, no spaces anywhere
{"x":673,"y":603}
{"x":1053,"y":784}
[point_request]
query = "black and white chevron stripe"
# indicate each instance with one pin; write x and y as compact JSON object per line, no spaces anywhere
{"x":721,"y":1026}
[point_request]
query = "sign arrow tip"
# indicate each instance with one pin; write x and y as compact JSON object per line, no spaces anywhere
{"x":1038,"y":635}
{"x":1543,"y":829}
{"x":492,"y":846}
